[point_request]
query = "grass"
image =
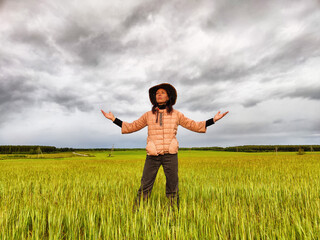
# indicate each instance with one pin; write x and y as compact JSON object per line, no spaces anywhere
{"x":223,"y":195}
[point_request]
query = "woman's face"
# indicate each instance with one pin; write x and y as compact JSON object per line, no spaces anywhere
{"x":161,"y":96}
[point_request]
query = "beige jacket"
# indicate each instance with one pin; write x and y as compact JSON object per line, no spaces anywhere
{"x":162,"y":130}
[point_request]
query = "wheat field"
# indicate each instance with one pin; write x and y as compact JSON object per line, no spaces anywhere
{"x":223,"y":195}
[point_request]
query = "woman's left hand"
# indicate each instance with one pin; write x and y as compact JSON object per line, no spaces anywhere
{"x":218,"y":116}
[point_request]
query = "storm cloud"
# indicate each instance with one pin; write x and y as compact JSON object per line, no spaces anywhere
{"x":61,"y":62}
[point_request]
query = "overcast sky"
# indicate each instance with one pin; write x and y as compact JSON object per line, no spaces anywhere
{"x":62,"y":61}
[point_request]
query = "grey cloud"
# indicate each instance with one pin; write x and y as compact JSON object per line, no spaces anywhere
{"x":305,"y":92}
{"x":277,"y":121}
{"x":22,"y":92}
{"x":141,"y":12}
{"x":248,"y":13}
{"x":127,"y":89}
{"x":68,"y":99}
{"x":275,"y":128}
{"x":15,"y":94}
{"x":312,"y":93}
{"x":214,"y":73}
{"x":43,"y":57}
{"x":164,"y":75}
{"x":294,"y":52}
{"x":310,"y":126}
{"x":316,"y":126}
{"x":81,"y":42}
{"x":248,"y":128}
{"x":90,"y":46}
{"x":2,"y":4}
{"x":15,"y":89}
{"x":30,"y":37}
{"x":228,"y":14}
{"x":93,"y":50}
{"x":84,"y":43}
{"x":129,"y":113}
{"x":124,"y":97}
{"x":21,"y":31}
{"x":73,"y":32}
{"x":251,"y":102}
{"x":178,"y":11}
{"x":199,"y":102}
{"x":223,"y":73}
{"x":291,"y":54}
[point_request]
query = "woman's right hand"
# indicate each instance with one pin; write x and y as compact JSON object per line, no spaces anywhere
{"x":108,"y":115}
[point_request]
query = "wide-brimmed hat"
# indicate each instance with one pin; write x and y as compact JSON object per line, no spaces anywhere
{"x":171,"y":91}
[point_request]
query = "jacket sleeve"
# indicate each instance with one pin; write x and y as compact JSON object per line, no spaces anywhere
{"x":135,"y":125}
{"x":192,"y":125}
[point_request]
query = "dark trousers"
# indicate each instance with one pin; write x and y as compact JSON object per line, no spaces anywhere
{"x":169,"y":163}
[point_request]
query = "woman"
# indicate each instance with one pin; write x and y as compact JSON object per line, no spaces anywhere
{"x":162,"y":145}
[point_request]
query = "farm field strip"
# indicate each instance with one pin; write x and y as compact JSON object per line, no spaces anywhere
{"x":223,"y":195}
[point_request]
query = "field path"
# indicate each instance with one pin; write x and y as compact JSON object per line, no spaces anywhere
{"x":84,"y":155}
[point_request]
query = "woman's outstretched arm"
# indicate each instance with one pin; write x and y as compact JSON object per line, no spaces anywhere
{"x":127,"y":127}
{"x":218,"y":116}
{"x":199,"y":126}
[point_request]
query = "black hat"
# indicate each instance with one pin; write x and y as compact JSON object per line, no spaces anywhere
{"x":171,"y":91}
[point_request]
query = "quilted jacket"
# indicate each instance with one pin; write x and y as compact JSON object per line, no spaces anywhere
{"x":162,"y":130}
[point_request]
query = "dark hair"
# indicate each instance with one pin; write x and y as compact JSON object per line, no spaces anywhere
{"x":168,"y":106}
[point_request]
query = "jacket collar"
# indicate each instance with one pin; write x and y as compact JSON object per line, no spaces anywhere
{"x":161,"y":107}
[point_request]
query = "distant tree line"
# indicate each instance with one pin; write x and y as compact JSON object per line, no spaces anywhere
{"x":273,"y":148}
{"x":260,"y":148}
{"x":204,"y":148}
{"x":24,"y":149}
{"x":27,"y":149}
{"x":35,"y":149}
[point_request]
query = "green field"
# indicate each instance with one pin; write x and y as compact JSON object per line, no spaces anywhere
{"x":223,"y":195}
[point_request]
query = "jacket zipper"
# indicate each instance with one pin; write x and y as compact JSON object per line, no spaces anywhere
{"x":161,"y":123}
{"x":160,"y":119}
